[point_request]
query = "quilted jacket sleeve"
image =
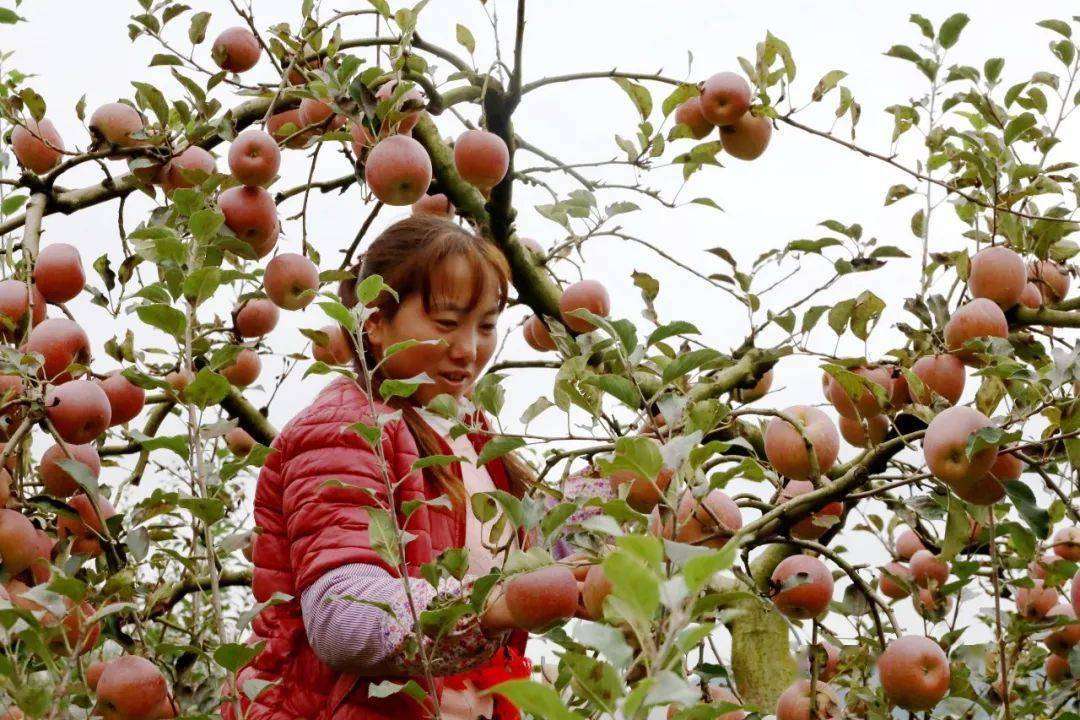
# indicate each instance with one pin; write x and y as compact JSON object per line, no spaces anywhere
{"x":331,"y":477}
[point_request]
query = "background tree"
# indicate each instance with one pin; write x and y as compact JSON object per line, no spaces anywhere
{"x":735,"y":520}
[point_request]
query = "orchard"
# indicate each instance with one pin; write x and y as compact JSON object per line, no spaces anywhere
{"x":898,"y":540}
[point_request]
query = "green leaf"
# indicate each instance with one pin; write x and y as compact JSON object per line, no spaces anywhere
{"x":160,"y":59}
{"x":699,"y":569}
{"x":634,"y":583}
{"x":924,"y":25}
{"x":679,"y":327}
{"x":827,"y":83}
{"x":957,"y":530}
{"x":9,"y":17}
{"x":370,"y":288}
{"x":207,"y":389}
{"x":1017,"y":126}
{"x":677,"y":97}
{"x":81,"y":474}
{"x":992,"y":68}
{"x":617,"y":386}
{"x":382,"y":535}
{"x":12,"y":203}
{"x":688,"y":362}
{"x":538,"y":700}
{"x":386,"y":688}
{"x":340,"y":314}
{"x":497,"y":447}
{"x":839,"y":315}
{"x":639,"y":94}
{"x":164,"y":317}
{"x":209,"y":510}
{"x":233,"y":656}
{"x":197,"y":29}
{"x":1023,"y":499}
{"x":904,"y":53}
{"x":465,"y":38}
{"x":1058,"y":26}
{"x":950,"y":30}
{"x":201,"y":284}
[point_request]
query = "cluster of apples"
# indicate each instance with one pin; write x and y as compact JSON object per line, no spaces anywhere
{"x":1043,"y":602}
{"x":724,"y":103}
{"x":588,"y":295}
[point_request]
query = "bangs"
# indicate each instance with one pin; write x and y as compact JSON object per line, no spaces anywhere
{"x":448,"y":284}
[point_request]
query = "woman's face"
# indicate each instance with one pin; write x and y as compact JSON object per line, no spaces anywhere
{"x":468,"y":335}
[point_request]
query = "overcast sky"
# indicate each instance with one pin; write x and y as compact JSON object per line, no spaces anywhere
{"x":81,"y":48}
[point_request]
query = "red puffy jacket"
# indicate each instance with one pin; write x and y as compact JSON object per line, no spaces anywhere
{"x":310,"y":526}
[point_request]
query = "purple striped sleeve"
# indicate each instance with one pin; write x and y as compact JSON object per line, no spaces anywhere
{"x":349,"y":628}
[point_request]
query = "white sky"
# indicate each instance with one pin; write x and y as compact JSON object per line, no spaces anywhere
{"x":79,"y":48}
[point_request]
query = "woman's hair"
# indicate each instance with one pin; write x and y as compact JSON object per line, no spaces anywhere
{"x":406,"y":256}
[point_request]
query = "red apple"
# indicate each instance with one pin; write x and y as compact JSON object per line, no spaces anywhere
{"x":398,"y":170}
{"x":317,"y":113}
{"x":286,"y":126}
{"x":945,"y":450}
{"x":1051,"y":278}
{"x":244,"y":369}
{"x":997,"y":274}
{"x":583,"y":295}
{"x":56,"y":480}
{"x":61,"y":342}
{"x":79,"y":410}
{"x":337,"y":350}
{"x":794,"y":703}
{"x":1033,"y":603}
{"x":852,"y":430}
{"x":1067,"y":543}
{"x":944,"y":374}
{"x":18,"y":541}
{"x":928,"y":570}
{"x":114,"y":124}
{"x":914,"y":673}
{"x":817,"y":524}
{"x":239,"y":441}
{"x":411,"y":96}
{"x":802,"y":587}
{"x":536,"y":599}
{"x":1063,"y":638}
{"x":255,"y":317}
{"x":537,"y":335}
{"x":187,"y":169}
{"x":725,"y":98}
{"x":37,"y":146}
{"x":865,"y":404}
{"x":16,"y":299}
{"x":689,"y":113}
{"x":131,"y":687}
{"x":87,"y":527}
{"x":236,"y":50}
{"x":482,"y":158}
{"x":747,"y":138}
{"x":980,"y":318}
{"x":291,"y":281}
{"x":250,"y":212}
{"x":58,"y":273}
{"x":126,"y":399}
{"x":786,"y":451}
{"x":896,"y":581}
{"x":254,"y":157}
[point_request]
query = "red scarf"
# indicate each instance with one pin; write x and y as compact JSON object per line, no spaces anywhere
{"x":508,"y":663}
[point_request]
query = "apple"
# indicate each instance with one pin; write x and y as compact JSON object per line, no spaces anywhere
{"x":595,"y":588}
{"x":852,"y":430}
{"x":588,"y":295}
{"x":802,"y":587}
{"x":999,"y":275}
{"x":244,"y":369}
{"x":896,"y":581}
{"x":747,"y":138}
{"x":689,"y":113}
{"x":930,"y":604}
{"x":1040,"y":568}
{"x":928,"y":570}
{"x":980,"y":318}
{"x":1051,"y":278}
{"x":1074,"y":595}
{"x":1031,"y":297}
{"x":945,"y":450}
{"x":56,"y":480}
{"x":817,"y":524}
{"x":114,"y":123}
{"x":1006,"y":467}
{"x":710,"y":521}
{"x":180,"y":379}
{"x":481,"y":158}
{"x":1067,"y":543}
{"x":61,"y":342}
{"x":412,"y":96}
{"x":865,"y":404}
{"x":16,"y":300}
{"x":41,"y":557}
{"x":725,"y":98}
{"x":644,"y":493}
{"x":75,"y":634}
{"x":316,"y":112}
{"x":437,"y":205}
{"x":746,"y":395}
{"x":131,"y":687}
{"x":250,"y":212}
{"x":826,"y":668}
{"x":794,"y":703}
{"x":37,"y":145}
{"x":1063,"y":637}
{"x":786,"y":451}
{"x":239,"y":441}
{"x":187,"y":169}
{"x":1035,"y":602}
{"x":291,"y":281}
{"x":398,"y":170}
{"x":255,"y":317}
{"x":79,"y":410}
{"x":914,"y":673}
{"x":126,"y":399}
{"x":254,"y":157}
{"x":538,"y":598}
{"x":286,"y":126}
{"x":236,"y":50}
{"x":86,"y":528}
{"x":362,"y":139}
{"x":944,"y":374}
{"x":18,"y":541}
{"x":537,"y":335}
{"x":1058,"y":669}
{"x":337,"y":351}
{"x":58,"y":273}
